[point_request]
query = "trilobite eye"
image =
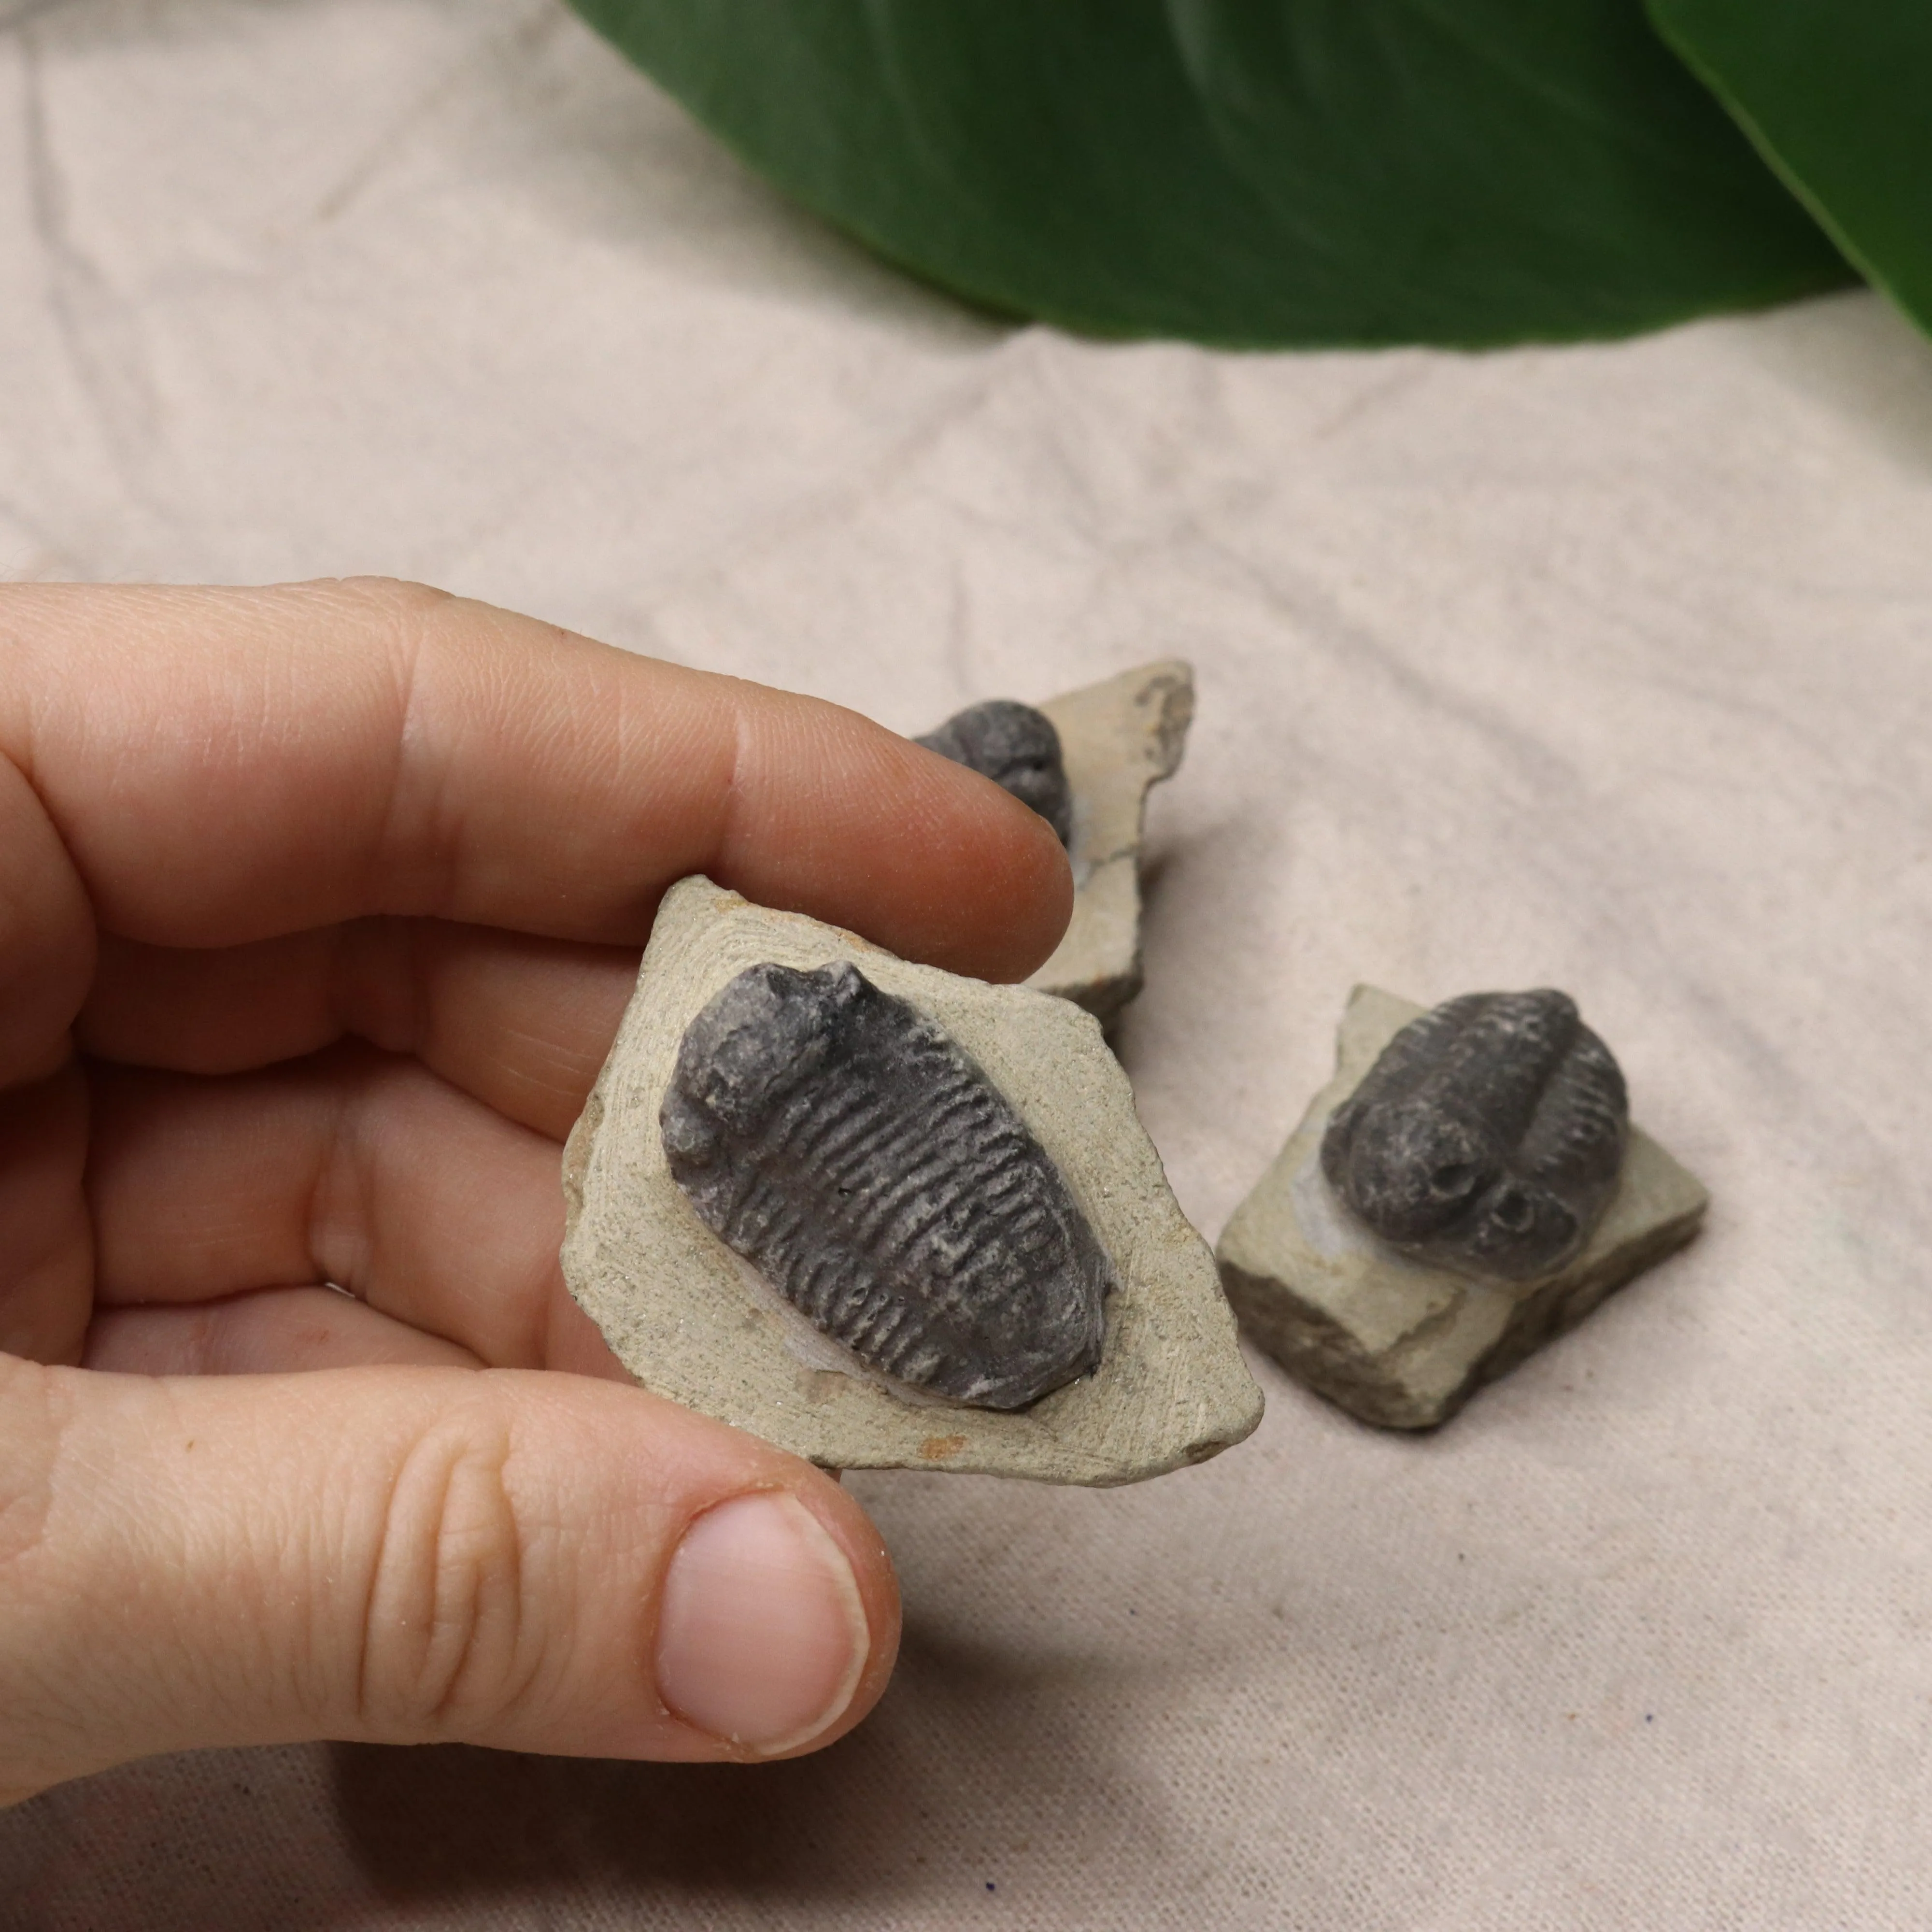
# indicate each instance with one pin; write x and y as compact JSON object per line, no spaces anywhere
{"x":1452,"y":1179}
{"x":1512,"y":1211}
{"x":688,"y":1138}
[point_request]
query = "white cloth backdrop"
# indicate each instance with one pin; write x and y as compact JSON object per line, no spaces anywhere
{"x":1603,"y":666}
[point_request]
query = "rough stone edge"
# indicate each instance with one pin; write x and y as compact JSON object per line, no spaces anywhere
{"x":1172,"y":1389}
{"x":1119,"y":738}
{"x":1308,"y":1341}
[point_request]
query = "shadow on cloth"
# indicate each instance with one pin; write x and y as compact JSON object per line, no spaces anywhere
{"x":876,"y":1816}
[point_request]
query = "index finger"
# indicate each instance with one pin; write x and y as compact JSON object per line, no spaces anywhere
{"x":225,"y":765}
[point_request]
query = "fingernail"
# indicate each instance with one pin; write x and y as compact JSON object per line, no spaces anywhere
{"x":761,"y":1636}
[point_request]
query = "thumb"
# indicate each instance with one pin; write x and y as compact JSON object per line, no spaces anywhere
{"x":540,"y":1561}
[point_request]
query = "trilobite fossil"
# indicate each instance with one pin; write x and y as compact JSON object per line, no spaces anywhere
{"x":847,"y":1147}
{"x":1017,"y":748}
{"x":1487,"y":1138}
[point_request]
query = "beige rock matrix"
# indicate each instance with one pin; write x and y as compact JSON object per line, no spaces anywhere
{"x":694,"y":1321}
{"x":1117,"y":740}
{"x":1394,"y":1341}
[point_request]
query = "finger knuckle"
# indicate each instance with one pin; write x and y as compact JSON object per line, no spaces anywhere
{"x":399,"y":597}
{"x":37,"y":1405}
{"x":449,"y":1645}
{"x":43,"y":1707}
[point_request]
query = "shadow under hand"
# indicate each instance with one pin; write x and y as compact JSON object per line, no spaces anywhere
{"x":972,"y":1755}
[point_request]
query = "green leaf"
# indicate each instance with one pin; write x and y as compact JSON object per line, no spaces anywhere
{"x":1253,"y":172}
{"x":1837,"y":95}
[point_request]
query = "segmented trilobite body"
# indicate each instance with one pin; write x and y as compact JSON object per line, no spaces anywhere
{"x":1016,"y":747}
{"x":1488,"y":1136}
{"x":842,"y":1143}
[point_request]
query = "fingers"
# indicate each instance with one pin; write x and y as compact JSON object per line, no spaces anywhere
{"x":521,"y":1023}
{"x":46,"y":1259}
{"x":46,"y":936}
{"x":275,"y":1329}
{"x":538,"y":1562}
{"x":354,"y":1168}
{"x":225,"y":766}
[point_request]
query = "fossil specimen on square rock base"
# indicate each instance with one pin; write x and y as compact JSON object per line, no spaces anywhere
{"x":695,"y":1322}
{"x":1392,"y":1339}
{"x":1115,"y":741}
{"x":1488,"y":1137}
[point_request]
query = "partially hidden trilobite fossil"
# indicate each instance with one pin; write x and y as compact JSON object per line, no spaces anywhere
{"x":1016,"y":747}
{"x":1488,"y":1137}
{"x":851,"y":1151}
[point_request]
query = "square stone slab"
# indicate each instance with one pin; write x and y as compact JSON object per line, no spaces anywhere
{"x":694,"y":1321}
{"x":1117,"y":740}
{"x":1392,"y":1342}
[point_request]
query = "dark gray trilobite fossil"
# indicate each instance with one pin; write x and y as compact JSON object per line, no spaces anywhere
{"x":846,"y":1147}
{"x":1487,"y":1138}
{"x":1017,"y":748}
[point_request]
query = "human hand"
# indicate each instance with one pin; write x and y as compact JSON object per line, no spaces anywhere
{"x":319,"y":908}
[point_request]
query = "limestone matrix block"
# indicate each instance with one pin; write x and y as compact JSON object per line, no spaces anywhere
{"x":695,"y":1322}
{"x":1394,"y":1343}
{"x":1117,"y":740}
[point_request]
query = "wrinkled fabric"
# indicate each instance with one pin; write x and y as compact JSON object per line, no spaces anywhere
{"x":1601,"y":668}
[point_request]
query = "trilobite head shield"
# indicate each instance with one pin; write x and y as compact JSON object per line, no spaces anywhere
{"x":1016,"y":747}
{"x":1488,"y":1137}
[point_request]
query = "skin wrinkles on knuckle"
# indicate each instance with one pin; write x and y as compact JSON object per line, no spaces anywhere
{"x":633,"y":738}
{"x":338,"y":1216}
{"x":377,"y":983}
{"x":25,"y":702}
{"x":519,"y":1063}
{"x":448,"y":1645}
{"x":34,"y":1402}
{"x":40,"y":1715}
{"x":397,"y":831}
{"x":380,"y":1118}
{"x":490,"y":683}
{"x":666,"y":745}
{"x":414,"y":853}
{"x":48,"y":938}
{"x":383,"y":599}
{"x":731,"y":836}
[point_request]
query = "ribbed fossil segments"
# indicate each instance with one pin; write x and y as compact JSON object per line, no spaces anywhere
{"x":1488,"y":1137}
{"x":841,"y":1142}
{"x":1016,"y":747}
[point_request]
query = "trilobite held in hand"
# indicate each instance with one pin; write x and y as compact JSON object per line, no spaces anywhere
{"x":1017,"y":748}
{"x":1487,"y":1138}
{"x":847,"y":1148}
